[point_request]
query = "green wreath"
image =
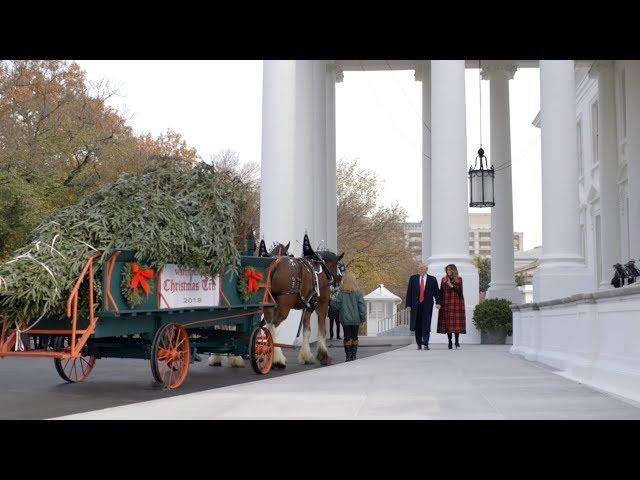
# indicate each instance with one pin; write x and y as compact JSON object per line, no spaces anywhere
{"x":137,"y":297}
{"x":243,"y":285}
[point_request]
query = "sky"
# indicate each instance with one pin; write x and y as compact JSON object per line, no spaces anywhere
{"x":217,"y":105}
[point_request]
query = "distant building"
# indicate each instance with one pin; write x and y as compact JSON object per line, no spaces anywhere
{"x":479,"y":236}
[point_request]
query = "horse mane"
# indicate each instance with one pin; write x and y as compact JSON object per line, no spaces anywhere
{"x":328,"y":255}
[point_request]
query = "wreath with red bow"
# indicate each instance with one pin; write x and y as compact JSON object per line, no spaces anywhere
{"x":248,"y":284}
{"x":137,"y":283}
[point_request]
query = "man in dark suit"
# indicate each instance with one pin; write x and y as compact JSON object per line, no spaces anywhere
{"x":421,"y":292}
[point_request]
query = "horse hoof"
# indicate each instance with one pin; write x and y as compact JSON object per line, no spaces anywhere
{"x":323,"y":357}
{"x":327,"y":361}
{"x":279,"y":366}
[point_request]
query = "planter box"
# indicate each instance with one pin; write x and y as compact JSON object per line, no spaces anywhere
{"x":493,"y":337}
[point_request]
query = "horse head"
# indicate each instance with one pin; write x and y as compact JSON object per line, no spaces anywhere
{"x":335,"y":265}
{"x":279,"y":250}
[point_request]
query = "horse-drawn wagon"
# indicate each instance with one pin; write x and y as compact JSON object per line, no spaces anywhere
{"x":180,"y":315}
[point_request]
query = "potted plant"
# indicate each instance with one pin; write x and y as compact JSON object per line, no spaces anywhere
{"x":494,"y":319}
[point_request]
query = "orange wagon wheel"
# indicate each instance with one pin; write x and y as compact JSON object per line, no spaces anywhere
{"x":170,"y":356}
{"x":72,"y":370}
{"x":261,"y":350}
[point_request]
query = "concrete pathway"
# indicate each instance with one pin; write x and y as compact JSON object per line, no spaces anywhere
{"x":475,"y":382}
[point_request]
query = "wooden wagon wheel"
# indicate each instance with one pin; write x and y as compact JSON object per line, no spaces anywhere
{"x":72,"y":370}
{"x":262,"y":350}
{"x":170,"y":355}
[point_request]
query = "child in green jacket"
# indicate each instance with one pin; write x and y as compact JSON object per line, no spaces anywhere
{"x":353,"y":311}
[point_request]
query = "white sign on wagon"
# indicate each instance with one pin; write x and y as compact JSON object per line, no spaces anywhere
{"x":183,"y":288}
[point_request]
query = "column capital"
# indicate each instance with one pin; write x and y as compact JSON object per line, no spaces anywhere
{"x":421,"y":71}
{"x":599,"y":66}
{"x":492,"y":67}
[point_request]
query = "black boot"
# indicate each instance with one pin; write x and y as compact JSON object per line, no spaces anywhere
{"x":354,"y":349}
{"x":450,"y":344}
{"x":457,"y":340}
{"x":347,"y":350}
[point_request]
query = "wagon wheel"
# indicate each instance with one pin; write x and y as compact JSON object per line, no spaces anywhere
{"x":262,"y":350}
{"x":72,"y":370}
{"x":170,"y":355}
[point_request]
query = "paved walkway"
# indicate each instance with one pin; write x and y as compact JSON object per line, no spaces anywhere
{"x":475,"y":382}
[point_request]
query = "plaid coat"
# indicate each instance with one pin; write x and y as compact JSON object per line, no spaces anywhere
{"x":452,"y":315}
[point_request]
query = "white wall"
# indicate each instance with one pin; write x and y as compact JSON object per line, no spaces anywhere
{"x":592,"y":338}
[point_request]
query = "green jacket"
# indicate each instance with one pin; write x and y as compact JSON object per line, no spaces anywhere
{"x":351,"y":306}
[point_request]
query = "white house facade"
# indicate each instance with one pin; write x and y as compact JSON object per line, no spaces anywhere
{"x":592,"y":333}
{"x":590,"y":148}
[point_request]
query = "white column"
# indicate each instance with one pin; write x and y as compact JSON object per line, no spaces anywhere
{"x":320,"y":145}
{"x":608,"y":157}
{"x":423,"y":74}
{"x":304,"y":198}
{"x":450,"y":220}
{"x":503,"y":283}
{"x":632,"y":83}
{"x":286,"y":187}
{"x":278,"y":165}
{"x":331,"y":208}
{"x":562,"y":271}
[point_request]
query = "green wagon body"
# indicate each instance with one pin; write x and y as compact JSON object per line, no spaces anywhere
{"x":208,"y":324}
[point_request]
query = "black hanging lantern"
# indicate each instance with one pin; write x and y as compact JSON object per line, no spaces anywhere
{"x":481,"y":183}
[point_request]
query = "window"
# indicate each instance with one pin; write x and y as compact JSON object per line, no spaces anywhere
{"x":598,"y":250}
{"x":579,"y":143}
{"x":624,"y":104}
{"x":626,"y":206}
{"x":594,"y":132}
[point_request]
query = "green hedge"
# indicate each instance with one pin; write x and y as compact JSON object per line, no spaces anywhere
{"x":493,"y":314}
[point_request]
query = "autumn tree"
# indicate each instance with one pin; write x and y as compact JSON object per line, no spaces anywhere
{"x":372,"y":236}
{"x":59,"y":141}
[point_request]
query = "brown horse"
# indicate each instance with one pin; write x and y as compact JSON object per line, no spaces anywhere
{"x":294,"y":286}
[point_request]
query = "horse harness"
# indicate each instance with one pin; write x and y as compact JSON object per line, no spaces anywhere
{"x":314,"y":267}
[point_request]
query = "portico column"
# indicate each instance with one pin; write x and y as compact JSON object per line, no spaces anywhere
{"x":286,"y":190}
{"x":334,"y":74}
{"x":608,"y":158}
{"x":632,"y":83}
{"x":562,"y":271}
{"x":423,"y":74}
{"x":449,"y":197}
{"x":503,"y":283}
{"x":278,"y":164}
{"x":320,"y":144}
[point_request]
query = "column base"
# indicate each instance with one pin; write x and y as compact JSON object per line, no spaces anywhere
{"x":558,"y":280}
{"x":508,"y":292}
{"x":471,"y":290}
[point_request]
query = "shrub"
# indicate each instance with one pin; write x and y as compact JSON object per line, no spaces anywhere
{"x":493,"y":314}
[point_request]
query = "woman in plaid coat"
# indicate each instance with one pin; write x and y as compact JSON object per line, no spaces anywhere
{"x":452,"y":314}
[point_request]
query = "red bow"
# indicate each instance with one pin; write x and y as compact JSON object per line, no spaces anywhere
{"x":140,"y":277}
{"x":252,"y":279}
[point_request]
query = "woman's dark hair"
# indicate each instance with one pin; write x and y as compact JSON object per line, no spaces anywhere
{"x":452,"y":266}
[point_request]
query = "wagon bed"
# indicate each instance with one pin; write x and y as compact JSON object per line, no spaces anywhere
{"x":168,"y":337}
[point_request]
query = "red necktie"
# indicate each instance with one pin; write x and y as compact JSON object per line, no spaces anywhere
{"x":421,"y":298}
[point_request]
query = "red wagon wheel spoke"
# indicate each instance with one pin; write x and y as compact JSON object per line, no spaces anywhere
{"x":262,"y":349}
{"x":72,"y":370}
{"x":170,"y":356}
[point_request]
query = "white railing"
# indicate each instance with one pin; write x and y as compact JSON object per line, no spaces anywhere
{"x":401,"y":317}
